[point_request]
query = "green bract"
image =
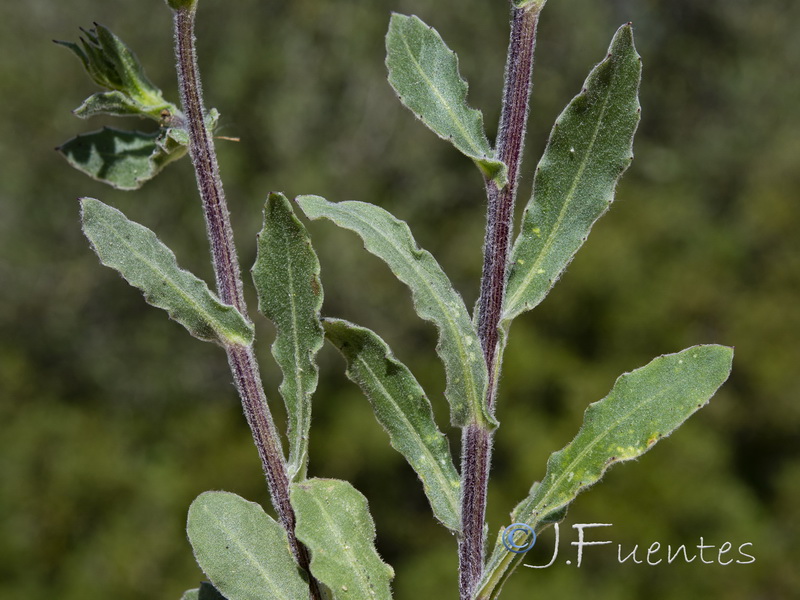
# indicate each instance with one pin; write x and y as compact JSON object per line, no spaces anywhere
{"x":124,"y":159}
{"x":113,"y":65}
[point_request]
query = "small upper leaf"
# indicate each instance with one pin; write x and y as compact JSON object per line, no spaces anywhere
{"x":404,"y":411}
{"x":589,"y":149}
{"x":643,"y":407}
{"x":424,"y":73}
{"x":242,"y":550}
{"x":123,"y":159}
{"x":286,"y":275}
{"x":435,"y":300}
{"x":146,"y":263}
{"x":334,"y":523}
{"x":114,"y":66}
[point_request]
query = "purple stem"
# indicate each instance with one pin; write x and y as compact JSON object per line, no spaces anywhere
{"x":229,"y":283}
{"x":477,"y":441}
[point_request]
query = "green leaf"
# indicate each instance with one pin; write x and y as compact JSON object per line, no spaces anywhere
{"x":191,"y":594}
{"x":146,"y":263}
{"x":424,"y":73}
{"x":434,"y":298}
{"x":404,"y":411}
{"x":113,"y":65}
{"x":123,"y":159}
{"x":286,"y":276}
{"x":334,"y":523}
{"x":243,"y":551}
{"x":643,"y":407}
{"x":113,"y":103}
{"x":589,"y":149}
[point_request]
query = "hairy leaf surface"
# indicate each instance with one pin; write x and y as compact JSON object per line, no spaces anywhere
{"x":334,"y":523}
{"x":242,"y":550}
{"x":589,"y":149}
{"x":424,"y":73}
{"x":146,"y":263}
{"x":404,"y":411}
{"x":123,"y":159}
{"x":286,"y":276}
{"x":435,"y":299}
{"x":643,"y":407}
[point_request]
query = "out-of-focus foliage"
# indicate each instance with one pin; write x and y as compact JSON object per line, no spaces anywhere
{"x":112,"y":419}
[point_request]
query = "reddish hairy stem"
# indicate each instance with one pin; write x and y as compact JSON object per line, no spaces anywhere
{"x":477,"y":442}
{"x":229,"y":283}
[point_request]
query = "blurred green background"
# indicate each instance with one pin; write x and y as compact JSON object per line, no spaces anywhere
{"x":112,"y":419}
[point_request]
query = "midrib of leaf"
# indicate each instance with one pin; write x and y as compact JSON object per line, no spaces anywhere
{"x":570,"y":196}
{"x":164,"y":276}
{"x":301,"y":391}
{"x":439,"y":473}
{"x":476,"y":407}
{"x":597,"y":440}
{"x":448,"y":108}
{"x":253,"y":559}
{"x":353,"y":559}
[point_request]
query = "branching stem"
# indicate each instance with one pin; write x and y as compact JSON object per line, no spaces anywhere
{"x":476,"y":443}
{"x":229,"y":281}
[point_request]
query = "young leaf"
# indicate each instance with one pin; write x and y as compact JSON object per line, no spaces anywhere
{"x":146,"y":263}
{"x":334,"y":523}
{"x":242,"y":550}
{"x":286,"y":275}
{"x":123,"y":159}
{"x":114,"y":66}
{"x":191,"y":594}
{"x":589,"y":149}
{"x":424,"y":73}
{"x":113,"y":103}
{"x":643,"y":407}
{"x":435,"y":299}
{"x":404,"y":411}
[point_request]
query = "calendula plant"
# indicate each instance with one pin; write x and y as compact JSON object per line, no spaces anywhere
{"x":322,"y":543}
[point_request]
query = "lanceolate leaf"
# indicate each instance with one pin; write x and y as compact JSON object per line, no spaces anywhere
{"x":286,"y":275}
{"x":334,"y":523}
{"x":434,"y":298}
{"x":402,"y":408}
{"x":146,"y":263}
{"x":589,"y":149}
{"x":123,"y":159}
{"x":644,"y":406}
{"x":424,"y":73}
{"x":242,"y":550}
